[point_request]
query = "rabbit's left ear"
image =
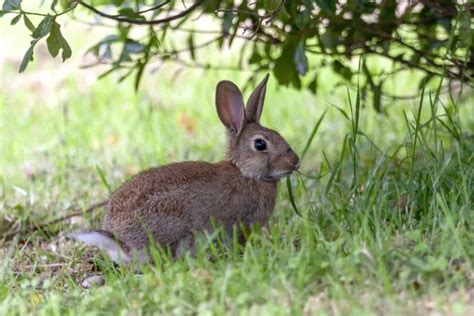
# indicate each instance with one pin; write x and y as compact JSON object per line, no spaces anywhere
{"x":230,"y":106}
{"x":254,"y":108}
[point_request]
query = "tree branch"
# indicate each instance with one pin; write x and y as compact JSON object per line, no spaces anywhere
{"x":142,"y":22}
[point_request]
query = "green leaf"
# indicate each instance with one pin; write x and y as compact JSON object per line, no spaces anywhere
{"x":16,"y":19}
{"x":272,"y":5}
{"x":127,"y":12}
{"x":2,"y":13}
{"x":10,"y":5}
{"x":66,"y":4}
{"x":301,"y":61}
{"x":465,"y":28}
{"x":130,"y":13}
{"x":191,"y":46}
{"x":285,"y":67}
{"x":53,"y":5}
{"x":28,"y":56}
{"x":44,"y":27}
{"x":139,"y":75}
{"x":133,"y":47}
{"x":67,"y":52}
{"x":56,"y":42}
{"x":327,"y":6}
{"x":342,"y":70}
{"x":108,"y":72}
{"x":28,"y":23}
{"x":303,"y":18}
{"x":313,"y":85}
{"x":227,"y":20}
{"x":256,"y":58}
{"x":329,"y":39}
{"x":283,"y":14}
{"x":424,"y":81}
{"x":116,"y":3}
{"x":445,"y":23}
{"x":109,"y":39}
{"x":107,"y":52}
{"x":240,"y":19}
{"x":210,"y":6}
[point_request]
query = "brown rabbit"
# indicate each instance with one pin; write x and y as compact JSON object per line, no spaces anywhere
{"x":170,"y":204}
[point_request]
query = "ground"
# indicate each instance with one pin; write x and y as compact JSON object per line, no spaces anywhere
{"x":382,"y":220}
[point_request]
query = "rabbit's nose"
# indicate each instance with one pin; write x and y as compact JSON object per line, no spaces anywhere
{"x":293,"y":159}
{"x":297,"y":166}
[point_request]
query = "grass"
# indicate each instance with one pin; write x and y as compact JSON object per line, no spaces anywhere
{"x":386,"y":215}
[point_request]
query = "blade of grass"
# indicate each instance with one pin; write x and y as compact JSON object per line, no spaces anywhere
{"x":313,"y":133}
{"x":103,"y":178}
{"x":341,"y":111}
{"x":292,"y":197}
{"x":416,"y":130}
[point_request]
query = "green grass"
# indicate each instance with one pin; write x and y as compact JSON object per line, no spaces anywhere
{"x":386,"y":223}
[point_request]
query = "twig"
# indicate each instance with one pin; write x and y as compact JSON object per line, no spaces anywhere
{"x":142,"y":22}
{"x":266,"y":17}
{"x":256,"y":26}
{"x":179,"y":51}
{"x":271,"y":39}
{"x":32,"y":229}
{"x":154,"y":8}
{"x":206,"y":66}
{"x":78,"y":213}
{"x":21,"y":11}
{"x":414,"y":49}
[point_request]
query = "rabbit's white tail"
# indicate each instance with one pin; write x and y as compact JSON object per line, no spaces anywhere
{"x":105,"y":241}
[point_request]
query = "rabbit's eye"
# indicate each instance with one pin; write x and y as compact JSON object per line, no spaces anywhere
{"x":260,"y":144}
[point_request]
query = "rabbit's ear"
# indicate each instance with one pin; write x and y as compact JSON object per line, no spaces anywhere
{"x":253,"y":111}
{"x":230,"y":106}
{"x":104,"y":241}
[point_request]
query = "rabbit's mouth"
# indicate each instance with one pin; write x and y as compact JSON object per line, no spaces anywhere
{"x":278,"y":175}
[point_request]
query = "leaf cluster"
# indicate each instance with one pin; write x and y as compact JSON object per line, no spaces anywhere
{"x":292,"y":39}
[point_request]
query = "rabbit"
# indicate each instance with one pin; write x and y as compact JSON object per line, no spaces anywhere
{"x":170,"y":204}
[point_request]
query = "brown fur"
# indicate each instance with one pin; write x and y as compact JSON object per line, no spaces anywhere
{"x":171,"y":203}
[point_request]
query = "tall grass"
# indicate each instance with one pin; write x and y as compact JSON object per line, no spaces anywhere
{"x":385,"y":215}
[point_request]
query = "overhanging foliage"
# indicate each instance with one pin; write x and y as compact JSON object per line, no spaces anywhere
{"x":433,"y":37}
